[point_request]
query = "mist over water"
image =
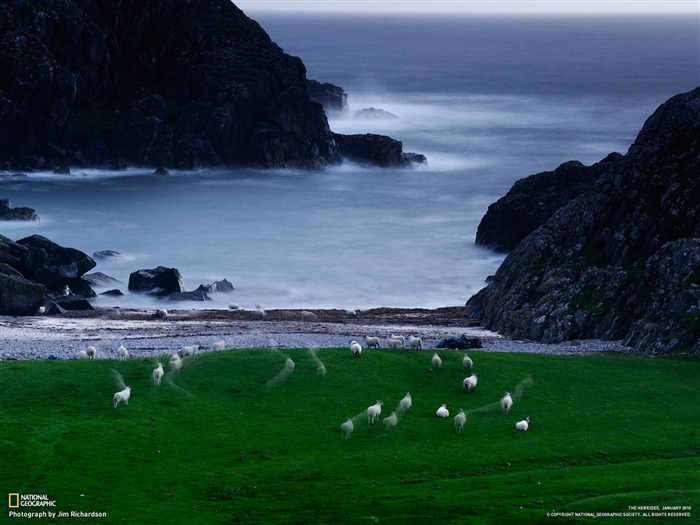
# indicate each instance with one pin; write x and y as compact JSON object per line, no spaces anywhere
{"x":488,"y":101}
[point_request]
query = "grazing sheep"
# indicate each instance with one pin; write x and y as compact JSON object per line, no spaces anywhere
{"x":355,"y":348}
{"x":175,"y":363}
{"x":158,"y":374}
{"x":188,"y":350}
{"x":308,"y":316}
{"x":470,"y":382}
{"x":82,"y":354}
{"x":442,"y":411}
{"x":467,"y":362}
{"x":394,"y":343}
{"x":42,"y":310}
{"x":371,"y":342}
{"x":523,"y":425}
{"x":506,"y":402}
{"x":351,"y":313}
{"x":389,"y":422}
{"x":346,"y":429}
{"x":219,"y":345}
{"x":406,"y":402}
{"x":415,"y":343}
{"x":321,"y":370}
{"x":123,"y":395}
{"x":289,"y":366}
{"x":373,"y":412}
{"x":398,"y":337}
{"x":460,"y":419}
{"x":122,"y":352}
{"x":161,"y":313}
{"x":437,"y":362}
{"x":91,"y":352}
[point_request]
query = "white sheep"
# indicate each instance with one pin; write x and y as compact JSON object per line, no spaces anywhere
{"x":91,"y":352}
{"x":415,"y":343}
{"x":289,"y":366}
{"x":406,"y":402}
{"x":470,"y":382}
{"x":175,"y":362}
{"x":394,"y":343}
{"x":355,"y":348}
{"x":122,"y":352}
{"x":218,"y":345}
{"x":371,"y":342}
{"x":373,"y":412}
{"x":460,"y":419}
{"x":259,"y":312}
{"x":442,"y":411}
{"x":188,"y":350}
{"x":346,"y":429}
{"x":437,"y":362}
{"x":506,"y":402}
{"x":82,"y":354}
{"x":523,"y":425}
{"x":161,"y":313}
{"x":389,"y":422}
{"x":122,"y":395}
{"x":467,"y":362}
{"x":158,"y":374}
{"x":308,"y":316}
{"x":398,"y":337}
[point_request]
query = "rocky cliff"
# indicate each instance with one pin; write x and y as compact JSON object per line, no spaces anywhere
{"x":180,"y":83}
{"x":622,"y":259}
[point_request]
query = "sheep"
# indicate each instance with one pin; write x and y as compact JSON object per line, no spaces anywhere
{"x":389,"y":422}
{"x":346,"y":429}
{"x":158,"y":374}
{"x":523,"y":425}
{"x":161,"y":313}
{"x":506,"y":402}
{"x":259,"y":312}
{"x":406,"y":402}
{"x":442,"y":411}
{"x":460,"y":419}
{"x":42,"y":310}
{"x":437,"y":362}
{"x":467,"y":362}
{"x":289,"y":366}
{"x":469,"y":383}
{"x":91,"y":352}
{"x":122,"y":352}
{"x":355,"y":348}
{"x":219,"y":345}
{"x":82,"y":354}
{"x":394,"y":343}
{"x":371,"y":342}
{"x":398,"y":337}
{"x":187,"y":351}
{"x":122,"y":395}
{"x":415,"y":343}
{"x":175,"y":363}
{"x":373,"y":412}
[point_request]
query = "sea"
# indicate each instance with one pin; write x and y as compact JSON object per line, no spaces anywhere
{"x":488,"y":100}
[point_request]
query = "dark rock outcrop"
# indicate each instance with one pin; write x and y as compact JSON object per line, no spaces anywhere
{"x":196,"y":295}
{"x":18,"y":295}
{"x":333,"y":98}
{"x":178,"y":83}
{"x":375,"y":114}
{"x":533,"y":200}
{"x":8,"y":213}
{"x":217,"y":286}
{"x":621,"y":260}
{"x":159,"y":281}
{"x":376,"y":150}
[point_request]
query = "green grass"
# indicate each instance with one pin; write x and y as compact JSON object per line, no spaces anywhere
{"x":221,"y":447}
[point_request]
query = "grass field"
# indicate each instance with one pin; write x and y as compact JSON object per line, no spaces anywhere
{"x":224,"y":444}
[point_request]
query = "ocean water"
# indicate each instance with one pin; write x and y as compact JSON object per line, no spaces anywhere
{"x":487,"y":100}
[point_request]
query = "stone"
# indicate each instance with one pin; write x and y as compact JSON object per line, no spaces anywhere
{"x":197,"y":295}
{"x":18,"y":295}
{"x":160,"y":280}
{"x":8,"y":213}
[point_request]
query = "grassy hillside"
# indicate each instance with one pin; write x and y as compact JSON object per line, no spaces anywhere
{"x":226,"y":442}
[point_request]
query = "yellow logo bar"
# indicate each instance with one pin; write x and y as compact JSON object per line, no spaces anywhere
{"x":15,"y":497}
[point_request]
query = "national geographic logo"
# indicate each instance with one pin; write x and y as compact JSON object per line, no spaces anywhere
{"x":17,"y":500}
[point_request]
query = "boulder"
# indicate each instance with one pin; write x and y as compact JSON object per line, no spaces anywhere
{"x":376,"y":150}
{"x":100,"y":279}
{"x":113,"y":293}
{"x":374,"y":114}
{"x":51,"y":264}
{"x":70,"y":302}
{"x":197,"y":295}
{"x":8,"y":213}
{"x":217,"y":286}
{"x":18,"y":295}
{"x":13,"y":254}
{"x":160,"y":280}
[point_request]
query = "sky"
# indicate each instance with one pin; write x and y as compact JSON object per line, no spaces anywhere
{"x":449,"y":7}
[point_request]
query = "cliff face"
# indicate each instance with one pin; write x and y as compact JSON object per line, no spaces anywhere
{"x":156,"y":82}
{"x":622,"y":259}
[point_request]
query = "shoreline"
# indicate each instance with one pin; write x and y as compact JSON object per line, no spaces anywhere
{"x":63,"y":336}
